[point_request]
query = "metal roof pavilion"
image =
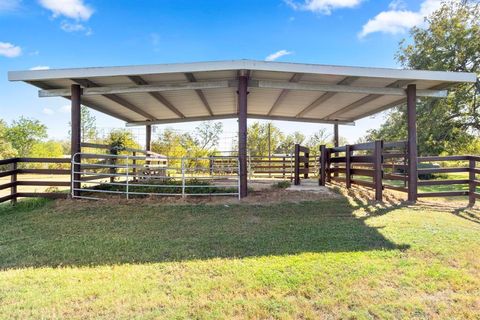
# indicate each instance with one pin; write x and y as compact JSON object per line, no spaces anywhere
{"x":169,"y":93}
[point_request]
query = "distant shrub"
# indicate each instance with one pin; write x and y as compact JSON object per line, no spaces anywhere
{"x":282,"y":185}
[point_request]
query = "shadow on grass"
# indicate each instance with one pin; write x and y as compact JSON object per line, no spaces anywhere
{"x":69,"y":233}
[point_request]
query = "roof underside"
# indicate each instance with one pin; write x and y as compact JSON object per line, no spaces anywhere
{"x":171,"y":93}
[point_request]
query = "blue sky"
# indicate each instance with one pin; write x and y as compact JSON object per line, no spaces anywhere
{"x":79,"y":33}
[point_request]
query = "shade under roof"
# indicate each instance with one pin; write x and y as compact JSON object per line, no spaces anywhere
{"x":168,"y":93}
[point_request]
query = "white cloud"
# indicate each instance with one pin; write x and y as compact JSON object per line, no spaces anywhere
{"x":322,"y":6}
{"x":40,"y":68}
{"x":398,"y":19}
{"x":75,"y":27}
{"x":9,"y":50}
{"x":74,"y":9}
{"x":274,"y":56}
{"x":9,"y":5}
{"x":48,"y":111}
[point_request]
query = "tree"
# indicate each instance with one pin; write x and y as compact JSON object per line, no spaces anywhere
{"x":23,"y":133}
{"x":6,"y":148}
{"x":88,"y":125}
{"x":287,"y":144}
{"x":47,"y":149}
{"x":120,"y":139}
{"x":258,"y":136}
{"x":451,"y":42}
{"x":207,"y":135}
{"x":321,"y":137}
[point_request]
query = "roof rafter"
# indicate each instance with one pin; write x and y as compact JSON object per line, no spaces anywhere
{"x":367,"y":99}
{"x":324,"y":97}
{"x":190,"y":77}
{"x":87,"y":83}
{"x":157,"y":96}
{"x":283,"y":94}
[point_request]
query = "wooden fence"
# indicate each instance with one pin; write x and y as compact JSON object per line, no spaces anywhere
{"x":383,"y":165}
{"x":16,"y":169}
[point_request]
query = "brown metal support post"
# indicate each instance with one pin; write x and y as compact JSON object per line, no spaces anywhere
{"x":348,"y":166}
{"x":472,"y":186}
{"x":76,"y":93}
{"x":412,"y":142}
{"x":148,"y":137}
{"x":335,"y":144}
{"x":297,"y":165}
{"x":323,"y":164}
{"x":377,"y":169}
{"x":328,"y":155}
{"x":13,"y":180}
{"x":242,"y":132}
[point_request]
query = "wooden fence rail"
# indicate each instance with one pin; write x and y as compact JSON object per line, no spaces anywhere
{"x":380,"y":162}
{"x":16,"y":172}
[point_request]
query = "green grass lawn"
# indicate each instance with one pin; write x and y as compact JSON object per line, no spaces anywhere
{"x":311,"y":260}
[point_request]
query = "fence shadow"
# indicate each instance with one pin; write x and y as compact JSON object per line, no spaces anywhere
{"x":85,"y":233}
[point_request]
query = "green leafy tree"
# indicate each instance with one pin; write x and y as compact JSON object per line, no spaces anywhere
{"x":451,"y":42}
{"x":120,"y":139}
{"x":258,"y":138}
{"x":207,"y":135}
{"x":6,"y":148}
{"x":24,"y":133}
{"x":88,"y":125}
{"x":288,"y":142}
{"x":48,"y":149}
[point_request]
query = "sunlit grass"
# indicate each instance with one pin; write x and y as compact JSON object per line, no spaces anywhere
{"x":326,"y":259}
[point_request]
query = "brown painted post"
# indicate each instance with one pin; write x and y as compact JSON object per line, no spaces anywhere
{"x":13,"y":180}
{"x":242,"y":132}
{"x":377,"y":169}
{"x":284,"y":167}
{"x":148,"y":137}
{"x":76,"y":93}
{"x":328,"y":155}
{"x":297,"y":165}
{"x":336,"y":143}
{"x":134,"y":163}
{"x":348,"y":166}
{"x":472,"y":187}
{"x":412,"y":142}
{"x":323,"y":165}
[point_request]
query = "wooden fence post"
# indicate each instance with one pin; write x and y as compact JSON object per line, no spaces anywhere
{"x":13,"y":180}
{"x":348,"y":166}
{"x":472,"y":185}
{"x":306,"y":165}
{"x":284,"y":167}
{"x":323,"y":165}
{"x":297,"y":165}
{"x":377,"y":169}
{"x":328,"y":155}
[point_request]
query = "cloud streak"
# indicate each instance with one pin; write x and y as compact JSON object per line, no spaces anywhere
{"x":74,"y":9}
{"x":322,"y":6}
{"x":274,"y":56}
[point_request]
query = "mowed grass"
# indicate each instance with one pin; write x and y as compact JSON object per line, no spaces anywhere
{"x":312,"y":260}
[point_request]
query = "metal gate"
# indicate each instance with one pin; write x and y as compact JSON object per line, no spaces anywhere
{"x":97,"y":175}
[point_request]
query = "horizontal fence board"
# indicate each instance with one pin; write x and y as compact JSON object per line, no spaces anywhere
{"x":7,"y":185}
{"x":7,"y":173}
{"x":363,"y":146}
{"x":392,"y":166}
{"x":304,"y":149}
{"x":8,"y":161}
{"x":6,"y":198}
{"x":44,"y":160}
{"x":389,"y":176}
{"x":442,"y":158}
{"x":442,"y":182}
{"x":442,"y":170}
{"x":338,"y":149}
{"x":395,"y":188}
{"x":361,"y":159}
{"x":393,"y":155}
{"x":44,"y":183}
{"x":363,"y":183}
{"x":395,"y":144}
{"x":362,"y":172}
{"x":477,"y":195}
{"x":50,"y":195}
{"x":443,"y":194}
{"x":44,"y":171}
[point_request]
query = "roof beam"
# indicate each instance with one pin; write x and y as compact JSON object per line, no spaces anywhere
{"x":86,"y":83}
{"x":84,"y":101}
{"x":324,"y":97}
{"x":157,"y":96}
{"x":235,"y":116}
{"x":344,"y":88}
{"x":367,"y":99}
{"x":199,"y":92}
{"x":295,"y":78}
{"x":174,"y":86}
